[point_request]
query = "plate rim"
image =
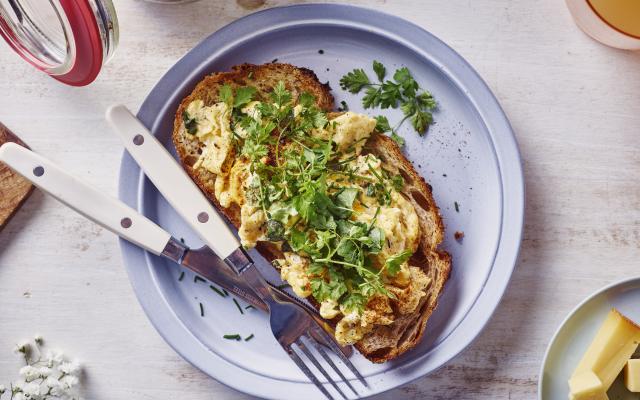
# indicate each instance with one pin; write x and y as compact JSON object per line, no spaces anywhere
{"x":512,"y":212}
{"x":578,"y":307}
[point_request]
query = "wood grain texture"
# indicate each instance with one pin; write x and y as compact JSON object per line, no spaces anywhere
{"x":14,"y":189}
{"x":572,"y":102}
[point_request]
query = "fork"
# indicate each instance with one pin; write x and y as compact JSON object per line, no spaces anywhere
{"x":291,"y":325}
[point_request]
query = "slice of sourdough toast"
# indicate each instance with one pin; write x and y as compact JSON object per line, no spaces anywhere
{"x":383,"y":342}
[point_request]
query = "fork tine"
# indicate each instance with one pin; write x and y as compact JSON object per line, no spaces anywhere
{"x":334,"y":347}
{"x":315,"y":362}
{"x":329,"y":361}
{"x":303,"y":367}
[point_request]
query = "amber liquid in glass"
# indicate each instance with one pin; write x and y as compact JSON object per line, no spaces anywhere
{"x":621,"y":15}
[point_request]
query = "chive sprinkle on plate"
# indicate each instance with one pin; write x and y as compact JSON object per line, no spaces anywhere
{"x":233,"y":337}
{"x":181,"y":276}
{"x":238,"y":305}
{"x":215,"y":289}
{"x":248,"y":338}
{"x":201,"y":310}
{"x":249,"y":307}
{"x":198,"y":278}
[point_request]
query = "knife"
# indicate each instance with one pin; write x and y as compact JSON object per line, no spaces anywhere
{"x":185,"y":197}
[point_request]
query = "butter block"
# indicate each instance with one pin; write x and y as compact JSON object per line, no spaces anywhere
{"x":614,"y":344}
{"x":632,"y":375}
{"x":586,"y":386}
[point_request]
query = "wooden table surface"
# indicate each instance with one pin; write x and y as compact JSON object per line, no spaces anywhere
{"x":575,"y":108}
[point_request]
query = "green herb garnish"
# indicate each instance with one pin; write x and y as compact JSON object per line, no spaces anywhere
{"x":393,"y":263}
{"x":201,"y":310}
{"x":190,"y":123}
{"x":249,"y":307}
{"x":238,"y":305}
{"x":248,"y":338}
{"x":215,"y":289}
{"x":402,"y":91}
{"x":181,"y":276}
{"x":309,"y":192}
{"x":198,"y":278}
{"x":457,"y":206}
{"x":233,"y":337}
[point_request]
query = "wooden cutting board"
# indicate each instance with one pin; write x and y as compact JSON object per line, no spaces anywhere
{"x":14,"y":189}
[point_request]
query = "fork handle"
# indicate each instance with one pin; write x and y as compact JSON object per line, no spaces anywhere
{"x":172,"y":181}
{"x":98,"y":207}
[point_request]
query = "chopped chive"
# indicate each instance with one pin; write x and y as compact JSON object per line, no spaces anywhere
{"x":320,"y":51}
{"x":225,"y":292}
{"x":182,"y":240}
{"x":233,"y":337}
{"x":275,"y":60}
{"x":215,"y":289}
{"x":201,"y":310}
{"x":249,"y":307}
{"x":181,"y":276}
{"x":238,"y":305}
{"x":283,"y":286}
{"x":198,"y":278}
{"x":248,"y":338}
{"x":457,"y":206}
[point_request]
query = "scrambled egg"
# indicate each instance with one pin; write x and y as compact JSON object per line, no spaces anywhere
{"x":293,"y":269}
{"x":329,"y":309}
{"x":350,"y":129}
{"x":214,"y":130}
{"x":253,"y":226}
{"x":353,"y":326}
{"x":229,"y":189}
{"x":398,"y":219}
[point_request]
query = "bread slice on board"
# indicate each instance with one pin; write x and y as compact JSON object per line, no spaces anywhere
{"x":384,"y":342}
{"x":14,"y":189}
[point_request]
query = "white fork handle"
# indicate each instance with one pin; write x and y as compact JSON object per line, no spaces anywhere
{"x":98,"y":207}
{"x":172,"y":181}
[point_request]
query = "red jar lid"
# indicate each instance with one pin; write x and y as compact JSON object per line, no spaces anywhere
{"x":89,"y":27}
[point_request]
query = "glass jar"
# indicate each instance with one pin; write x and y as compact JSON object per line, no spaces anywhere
{"x":70,"y":40}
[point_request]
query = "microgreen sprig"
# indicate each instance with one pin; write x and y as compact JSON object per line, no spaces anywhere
{"x":402,"y":91}
{"x":293,"y":175}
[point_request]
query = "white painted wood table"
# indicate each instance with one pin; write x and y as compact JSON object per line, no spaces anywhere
{"x":575,"y":107}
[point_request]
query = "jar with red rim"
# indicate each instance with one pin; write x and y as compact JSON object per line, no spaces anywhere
{"x":70,"y":40}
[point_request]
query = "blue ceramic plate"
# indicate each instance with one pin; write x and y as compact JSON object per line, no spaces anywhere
{"x":470,"y":156}
{"x":576,"y":333}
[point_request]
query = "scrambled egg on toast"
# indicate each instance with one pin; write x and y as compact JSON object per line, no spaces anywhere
{"x":384,"y":196}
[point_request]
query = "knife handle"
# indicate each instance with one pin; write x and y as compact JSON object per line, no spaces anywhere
{"x":98,"y":207}
{"x":172,"y":181}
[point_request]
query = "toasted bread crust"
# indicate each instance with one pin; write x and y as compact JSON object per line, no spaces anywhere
{"x":384,"y":342}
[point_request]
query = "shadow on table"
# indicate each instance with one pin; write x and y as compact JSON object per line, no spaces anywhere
{"x":20,"y":220}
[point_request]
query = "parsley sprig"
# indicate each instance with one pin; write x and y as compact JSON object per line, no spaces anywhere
{"x":402,"y":91}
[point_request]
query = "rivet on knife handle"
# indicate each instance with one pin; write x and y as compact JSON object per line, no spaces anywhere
{"x":172,"y":181}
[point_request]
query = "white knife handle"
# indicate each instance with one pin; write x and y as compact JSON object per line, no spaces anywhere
{"x":98,"y":207}
{"x":172,"y":181}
